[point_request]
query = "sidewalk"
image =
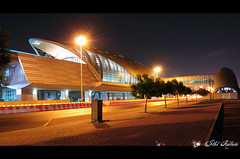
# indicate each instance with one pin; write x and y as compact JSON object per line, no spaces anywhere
{"x":175,"y":126}
{"x":231,"y":122}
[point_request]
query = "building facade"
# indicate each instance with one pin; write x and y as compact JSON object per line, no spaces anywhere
{"x":53,"y":73}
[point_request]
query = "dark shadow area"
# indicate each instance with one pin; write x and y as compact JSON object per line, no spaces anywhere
{"x":218,"y":127}
{"x":179,"y":112}
{"x":128,"y":119}
{"x":100,"y":125}
{"x":12,"y":124}
{"x":193,"y":107}
{"x":172,"y":134}
{"x":231,"y":122}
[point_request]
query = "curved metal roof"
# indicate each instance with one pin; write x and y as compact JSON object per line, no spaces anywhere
{"x":61,"y":51}
{"x":225,"y":77}
{"x":55,"y":49}
{"x":132,"y":66}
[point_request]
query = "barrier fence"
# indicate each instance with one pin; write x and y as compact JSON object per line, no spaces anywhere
{"x":11,"y":107}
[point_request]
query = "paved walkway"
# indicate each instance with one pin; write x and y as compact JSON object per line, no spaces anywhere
{"x":175,"y":126}
{"x":231,"y":122}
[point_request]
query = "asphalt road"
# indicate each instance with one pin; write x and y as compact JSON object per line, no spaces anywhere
{"x":11,"y":122}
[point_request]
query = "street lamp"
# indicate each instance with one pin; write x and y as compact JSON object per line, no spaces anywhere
{"x":157,"y":70}
{"x":81,"y":41}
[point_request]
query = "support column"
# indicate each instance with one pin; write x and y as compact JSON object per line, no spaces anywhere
{"x":34,"y":93}
{"x":88,"y":96}
{"x":64,"y":94}
{"x":29,"y":94}
{"x":19,"y":94}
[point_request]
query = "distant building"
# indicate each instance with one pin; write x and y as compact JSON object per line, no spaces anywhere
{"x":195,"y":82}
{"x":223,"y":84}
{"x":226,"y":85}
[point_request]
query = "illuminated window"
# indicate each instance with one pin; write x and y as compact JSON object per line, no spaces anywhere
{"x":226,"y":90}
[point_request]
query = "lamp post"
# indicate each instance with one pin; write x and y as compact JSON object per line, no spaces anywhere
{"x":211,"y":90}
{"x":81,"y":41}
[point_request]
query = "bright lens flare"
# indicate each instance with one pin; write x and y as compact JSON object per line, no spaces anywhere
{"x":81,"y":40}
{"x":157,"y":69}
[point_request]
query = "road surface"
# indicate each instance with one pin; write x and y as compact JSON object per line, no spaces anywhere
{"x":11,"y":122}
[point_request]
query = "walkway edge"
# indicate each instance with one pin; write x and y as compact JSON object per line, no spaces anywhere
{"x":210,"y":131}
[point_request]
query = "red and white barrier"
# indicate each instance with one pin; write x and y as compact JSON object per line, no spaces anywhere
{"x":62,"y":106}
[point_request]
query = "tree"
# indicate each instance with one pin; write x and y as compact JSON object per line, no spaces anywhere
{"x":187,"y":90}
{"x":158,"y":87}
{"x":178,"y":88}
{"x":167,"y":88}
{"x":5,"y":58}
{"x":202,"y":92}
{"x":144,"y":88}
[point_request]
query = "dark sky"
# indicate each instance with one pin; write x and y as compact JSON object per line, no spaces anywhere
{"x":182,"y":43}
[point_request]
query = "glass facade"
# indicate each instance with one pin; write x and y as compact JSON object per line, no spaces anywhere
{"x":56,"y":52}
{"x":15,"y":76}
{"x":111,"y":95}
{"x":196,"y":81}
{"x":48,"y":94}
{"x":108,"y":70}
{"x":8,"y":95}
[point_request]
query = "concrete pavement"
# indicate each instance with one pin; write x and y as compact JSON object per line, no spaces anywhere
{"x":175,"y":126}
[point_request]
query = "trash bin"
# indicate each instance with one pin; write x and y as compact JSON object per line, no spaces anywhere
{"x":97,"y":110}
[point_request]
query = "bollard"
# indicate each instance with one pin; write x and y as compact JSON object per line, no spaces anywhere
{"x":96,"y":110}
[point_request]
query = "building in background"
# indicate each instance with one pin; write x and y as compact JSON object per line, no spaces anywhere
{"x":195,"y":82}
{"x":222,"y":85}
{"x":226,"y":85}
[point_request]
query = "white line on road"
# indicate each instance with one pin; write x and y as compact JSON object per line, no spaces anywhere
{"x":47,"y":123}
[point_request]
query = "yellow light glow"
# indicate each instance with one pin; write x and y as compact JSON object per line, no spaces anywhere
{"x":81,"y":40}
{"x":157,"y":69}
{"x":211,"y":89}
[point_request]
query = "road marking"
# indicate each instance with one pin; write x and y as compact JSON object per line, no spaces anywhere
{"x":47,"y":123}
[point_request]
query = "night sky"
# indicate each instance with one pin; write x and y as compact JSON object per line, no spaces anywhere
{"x":182,"y":43}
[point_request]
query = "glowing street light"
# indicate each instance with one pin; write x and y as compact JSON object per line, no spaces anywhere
{"x":81,"y":41}
{"x":157,"y":70}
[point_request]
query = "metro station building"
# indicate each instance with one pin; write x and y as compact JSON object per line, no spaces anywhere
{"x":53,"y":73}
